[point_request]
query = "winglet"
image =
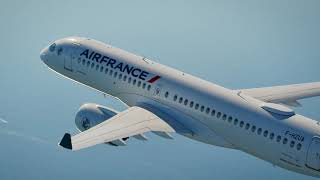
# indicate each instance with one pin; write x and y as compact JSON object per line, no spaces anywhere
{"x":66,"y":141}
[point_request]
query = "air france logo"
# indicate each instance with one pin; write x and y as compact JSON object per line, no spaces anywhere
{"x":114,"y":64}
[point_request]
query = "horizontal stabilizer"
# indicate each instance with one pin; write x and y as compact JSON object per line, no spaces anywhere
{"x":288,"y":95}
{"x":292,"y":103}
{"x":66,"y":141}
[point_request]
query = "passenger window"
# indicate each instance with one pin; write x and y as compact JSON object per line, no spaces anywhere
{"x":124,"y":77}
{"x":208,"y":110}
{"x":191,"y":104}
{"x":149,"y":87}
{"x":88,"y":63}
{"x":143,"y":85}
{"x":278,"y":138}
{"x":265,"y":134}
{"x":139,"y":83}
{"x":197,"y":106}
{"x":235,"y":122}
{"x":259,"y":131}
{"x":230,"y":119}
{"x":219,"y":115}
{"x":241,"y":124}
{"x":271,"y":136}
{"x":97,"y":67}
{"x":166,"y":94}
{"x":101,"y":68}
{"x":202,"y":108}
{"x":134,"y":82}
{"x":83,"y":62}
{"x":110,"y":72}
{"x":247,"y":126}
{"x":299,"y":146}
{"x":106,"y":71}
{"x":115,"y":74}
{"x":186,"y":102}
{"x":292,"y":144}
{"x":120,"y":76}
{"x":224,"y":117}
{"x":180,"y":100}
{"x":253,"y":129}
{"x":92,"y":65}
{"x":129,"y":80}
{"x":175,"y":97}
{"x":285,"y":140}
{"x":213,"y":112}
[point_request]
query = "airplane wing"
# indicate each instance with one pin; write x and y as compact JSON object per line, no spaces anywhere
{"x":288,"y":95}
{"x":131,"y":122}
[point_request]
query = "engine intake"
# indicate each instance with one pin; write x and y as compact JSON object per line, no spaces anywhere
{"x":91,"y":114}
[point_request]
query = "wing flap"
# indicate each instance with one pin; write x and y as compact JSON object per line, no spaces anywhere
{"x":131,"y":122}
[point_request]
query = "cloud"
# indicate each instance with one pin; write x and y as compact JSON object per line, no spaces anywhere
{"x":3,"y":121}
{"x":25,"y":136}
{"x":10,"y":132}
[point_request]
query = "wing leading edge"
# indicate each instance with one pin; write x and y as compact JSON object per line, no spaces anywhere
{"x":288,"y":95}
{"x":131,"y":122}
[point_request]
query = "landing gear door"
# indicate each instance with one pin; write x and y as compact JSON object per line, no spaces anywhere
{"x":313,"y":156}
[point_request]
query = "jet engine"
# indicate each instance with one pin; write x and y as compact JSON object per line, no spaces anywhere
{"x":90,"y":115}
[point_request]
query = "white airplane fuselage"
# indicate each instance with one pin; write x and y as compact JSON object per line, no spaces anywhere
{"x":211,"y":114}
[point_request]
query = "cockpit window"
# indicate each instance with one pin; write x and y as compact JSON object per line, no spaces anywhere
{"x":52,"y":47}
{"x":59,"y":51}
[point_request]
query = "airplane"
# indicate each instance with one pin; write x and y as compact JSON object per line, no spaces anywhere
{"x":163,"y":100}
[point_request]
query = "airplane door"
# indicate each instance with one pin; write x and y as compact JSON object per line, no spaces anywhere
{"x":79,"y":65}
{"x":68,"y":58}
{"x":313,"y":156}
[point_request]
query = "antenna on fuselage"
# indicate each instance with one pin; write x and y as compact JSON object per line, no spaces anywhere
{"x":145,"y":60}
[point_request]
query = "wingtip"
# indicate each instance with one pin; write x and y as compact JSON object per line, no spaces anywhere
{"x":66,"y":141}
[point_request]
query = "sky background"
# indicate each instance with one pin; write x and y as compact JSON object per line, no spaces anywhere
{"x":236,"y":44}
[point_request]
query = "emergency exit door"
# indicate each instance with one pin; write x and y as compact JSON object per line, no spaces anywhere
{"x":313,"y":156}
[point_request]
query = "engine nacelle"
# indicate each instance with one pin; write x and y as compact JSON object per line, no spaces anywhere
{"x":90,"y":115}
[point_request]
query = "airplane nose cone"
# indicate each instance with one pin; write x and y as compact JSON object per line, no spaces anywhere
{"x":43,"y":54}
